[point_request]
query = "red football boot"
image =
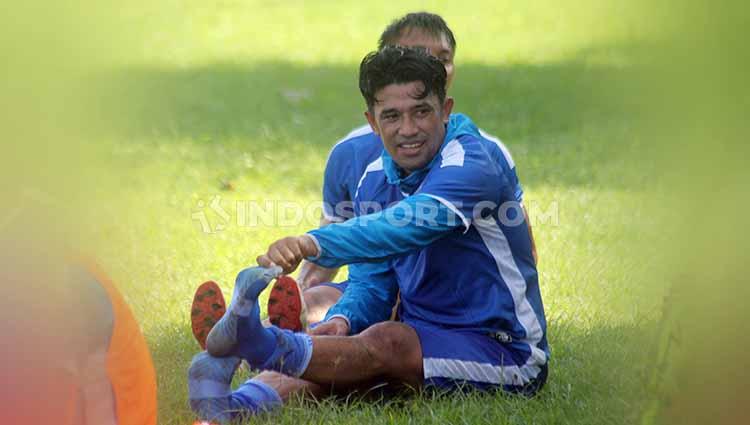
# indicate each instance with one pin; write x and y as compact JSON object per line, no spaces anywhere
{"x":286,"y":307}
{"x":208,"y":307}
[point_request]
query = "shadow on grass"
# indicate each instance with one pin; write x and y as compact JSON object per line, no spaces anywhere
{"x":553,"y":117}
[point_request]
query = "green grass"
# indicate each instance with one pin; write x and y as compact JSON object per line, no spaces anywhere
{"x":252,"y":95}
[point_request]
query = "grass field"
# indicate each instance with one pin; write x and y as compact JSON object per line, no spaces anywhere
{"x":243,"y":100}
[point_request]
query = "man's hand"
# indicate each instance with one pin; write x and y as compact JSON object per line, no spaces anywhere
{"x":287,"y":253}
{"x":334,"y":327}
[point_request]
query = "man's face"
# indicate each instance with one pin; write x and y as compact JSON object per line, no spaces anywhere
{"x":438,"y":47}
{"x":412,"y":129}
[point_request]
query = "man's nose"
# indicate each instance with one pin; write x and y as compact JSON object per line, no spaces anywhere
{"x":408,"y":127}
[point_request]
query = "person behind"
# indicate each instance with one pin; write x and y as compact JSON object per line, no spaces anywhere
{"x":471,"y":311}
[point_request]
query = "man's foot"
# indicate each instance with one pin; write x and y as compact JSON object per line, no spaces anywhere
{"x":208,"y":307}
{"x":211,"y":396}
{"x":240,"y":332}
{"x":286,"y":306}
{"x":224,"y":338}
{"x":209,"y":386}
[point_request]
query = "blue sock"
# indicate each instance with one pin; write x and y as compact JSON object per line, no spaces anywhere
{"x":255,"y":343}
{"x":272,"y":348}
{"x":240,"y":332}
{"x":211,"y":396}
{"x":291,"y":352}
{"x":209,"y":386}
{"x":254,"y":396}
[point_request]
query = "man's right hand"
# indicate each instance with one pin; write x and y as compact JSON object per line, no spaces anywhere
{"x":288,"y":252}
{"x":336,"y":326}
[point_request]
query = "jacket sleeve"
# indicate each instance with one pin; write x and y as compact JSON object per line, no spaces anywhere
{"x":369,"y":298}
{"x":413,"y":223}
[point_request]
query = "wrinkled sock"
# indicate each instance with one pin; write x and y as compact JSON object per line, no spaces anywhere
{"x":240,"y":332}
{"x":254,"y":397}
{"x":211,"y":397}
{"x":209,"y":386}
{"x":255,"y":343}
{"x":291,"y":355}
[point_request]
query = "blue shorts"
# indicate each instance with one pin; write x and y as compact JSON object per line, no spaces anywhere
{"x":341,"y":286}
{"x":458,"y":359}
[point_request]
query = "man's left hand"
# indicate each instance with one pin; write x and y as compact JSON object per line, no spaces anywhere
{"x":333,"y":327}
{"x":288,"y":252}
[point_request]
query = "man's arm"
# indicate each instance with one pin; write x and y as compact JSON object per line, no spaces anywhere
{"x":311,"y":274}
{"x":449,"y":198}
{"x":413,"y":223}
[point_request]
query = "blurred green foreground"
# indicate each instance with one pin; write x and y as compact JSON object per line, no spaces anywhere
{"x":145,"y":134}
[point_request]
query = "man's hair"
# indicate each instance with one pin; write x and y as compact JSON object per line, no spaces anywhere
{"x":401,"y":65}
{"x":430,"y":23}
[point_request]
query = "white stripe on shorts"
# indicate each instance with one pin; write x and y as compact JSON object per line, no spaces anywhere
{"x":479,"y":372}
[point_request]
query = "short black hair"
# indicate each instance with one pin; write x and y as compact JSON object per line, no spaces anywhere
{"x":428,"y":22}
{"x":401,"y":65}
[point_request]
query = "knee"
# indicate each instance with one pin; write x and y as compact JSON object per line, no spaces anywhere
{"x":318,"y":300}
{"x":393,"y":345}
{"x":314,"y":296}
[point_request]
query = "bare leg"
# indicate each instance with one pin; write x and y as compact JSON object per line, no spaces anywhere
{"x":389,"y":351}
{"x":287,"y":386}
{"x":318,"y":300}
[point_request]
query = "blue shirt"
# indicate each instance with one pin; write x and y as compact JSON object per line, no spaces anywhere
{"x":455,"y":243}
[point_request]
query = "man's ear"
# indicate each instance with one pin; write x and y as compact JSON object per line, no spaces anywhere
{"x":372,"y":122}
{"x":447,"y":108}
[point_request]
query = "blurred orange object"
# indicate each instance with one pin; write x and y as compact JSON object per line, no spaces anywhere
{"x":50,"y":359}
{"x":129,"y":365}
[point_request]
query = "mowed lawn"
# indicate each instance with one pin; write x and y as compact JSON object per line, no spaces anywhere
{"x":238,"y":103}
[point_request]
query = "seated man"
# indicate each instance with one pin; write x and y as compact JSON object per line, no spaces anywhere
{"x":346,"y":164}
{"x":450,"y":237}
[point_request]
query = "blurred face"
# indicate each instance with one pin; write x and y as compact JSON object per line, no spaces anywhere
{"x":438,"y":47}
{"x":412,"y":129}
